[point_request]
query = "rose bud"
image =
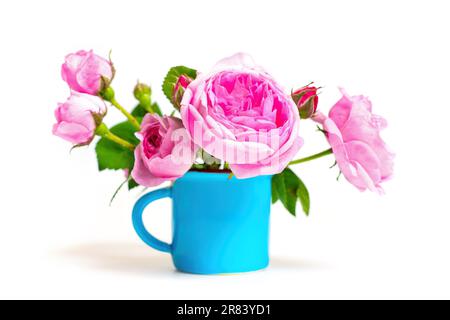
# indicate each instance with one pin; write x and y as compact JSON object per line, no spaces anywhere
{"x":179,"y":88}
{"x":306,"y":100}
{"x":87,"y":72}
{"x":142,"y":91}
{"x":78,"y":117}
{"x":143,"y":94}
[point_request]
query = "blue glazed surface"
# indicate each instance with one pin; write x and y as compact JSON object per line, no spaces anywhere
{"x":220,"y":225}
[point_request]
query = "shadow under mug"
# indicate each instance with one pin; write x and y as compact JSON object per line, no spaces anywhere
{"x":220,"y":225}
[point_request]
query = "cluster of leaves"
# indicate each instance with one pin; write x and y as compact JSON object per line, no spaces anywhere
{"x":290,"y":189}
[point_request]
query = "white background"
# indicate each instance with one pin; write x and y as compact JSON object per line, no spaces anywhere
{"x":60,"y":239}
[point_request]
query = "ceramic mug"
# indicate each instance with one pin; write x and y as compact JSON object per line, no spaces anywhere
{"x":220,"y":225}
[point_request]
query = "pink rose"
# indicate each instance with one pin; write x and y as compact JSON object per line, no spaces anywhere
{"x":83,"y":71}
{"x":306,"y":99}
{"x":354,"y":135}
{"x":165,"y":153}
{"x":75,"y":120}
{"x":239,"y":114}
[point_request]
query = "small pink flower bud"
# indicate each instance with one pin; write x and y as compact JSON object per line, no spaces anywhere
{"x":179,"y":88}
{"x":306,"y":100}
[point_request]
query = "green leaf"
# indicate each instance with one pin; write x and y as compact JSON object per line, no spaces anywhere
{"x":279,"y":186}
{"x":303,"y":196}
{"x":132,"y":184}
{"x":172,"y":78}
{"x":139,"y":112}
{"x":126,"y":131}
{"x":291,"y":182}
{"x":156,"y":109}
{"x":288,"y":187}
{"x":112,"y":156}
{"x":275,"y":197}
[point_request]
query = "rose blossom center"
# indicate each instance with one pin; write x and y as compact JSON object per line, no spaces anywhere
{"x":151,"y":142}
{"x":247,"y":101}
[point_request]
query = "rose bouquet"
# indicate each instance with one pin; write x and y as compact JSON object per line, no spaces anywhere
{"x":235,"y":119}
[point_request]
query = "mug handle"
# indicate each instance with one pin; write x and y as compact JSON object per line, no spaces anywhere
{"x":138,"y":223}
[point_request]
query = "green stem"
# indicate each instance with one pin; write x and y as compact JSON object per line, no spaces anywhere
{"x":103,"y":131}
{"x":313,"y":157}
{"x":130,"y":117}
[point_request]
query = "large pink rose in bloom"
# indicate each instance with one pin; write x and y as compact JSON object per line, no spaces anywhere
{"x":165,"y":153}
{"x":83,"y":71}
{"x":354,"y":135}
{"x":75,"y":120}
{"x":240,"y":115}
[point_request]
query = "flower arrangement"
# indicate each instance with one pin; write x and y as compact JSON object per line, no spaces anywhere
{"x":234,"y":119}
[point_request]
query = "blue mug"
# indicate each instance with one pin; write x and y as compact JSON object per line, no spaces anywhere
{"x":220,"y":225}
